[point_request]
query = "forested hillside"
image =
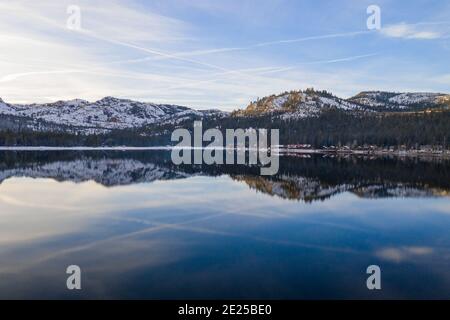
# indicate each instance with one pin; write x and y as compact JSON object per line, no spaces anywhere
{"x":337,"y":127}
{"x":318,"y":118}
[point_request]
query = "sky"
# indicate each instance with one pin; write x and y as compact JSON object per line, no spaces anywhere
{"x":218,"y":54}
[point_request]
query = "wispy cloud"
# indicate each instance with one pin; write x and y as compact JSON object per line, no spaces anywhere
{"x":177,"y":51}
{"x":79,"y":65}
{"x":329,"y":61}
{"x":40,"y":57}
{"x":422,"y":31}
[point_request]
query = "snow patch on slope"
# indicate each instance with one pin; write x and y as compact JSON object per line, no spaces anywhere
{"x":108,"y":113}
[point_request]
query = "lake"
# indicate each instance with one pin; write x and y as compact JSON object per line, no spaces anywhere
{"x":140,"y":227}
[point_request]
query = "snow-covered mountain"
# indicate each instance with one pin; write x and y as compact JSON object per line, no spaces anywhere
{"x":102,"y":116}
{"x":298,"y":104}
{"x":105,"y":114}
{"x":381,"y":100}
{"x":309,"y":103}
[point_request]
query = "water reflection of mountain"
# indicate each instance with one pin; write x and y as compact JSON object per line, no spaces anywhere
{"x":308,"y":179}
{"x":106,"y":168}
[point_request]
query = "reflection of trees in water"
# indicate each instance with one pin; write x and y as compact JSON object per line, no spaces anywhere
{"x":318,"y":177}
{"x":308,"y":179}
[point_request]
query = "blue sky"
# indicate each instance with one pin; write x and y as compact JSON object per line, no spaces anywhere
{"x":219,"y":54}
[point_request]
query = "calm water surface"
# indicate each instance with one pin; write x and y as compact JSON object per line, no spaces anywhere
{"x":140,"y":227}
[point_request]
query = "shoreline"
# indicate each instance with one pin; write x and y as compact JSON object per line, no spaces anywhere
{"x":378,"y":153}
{"x":43,"y":148}
{"x":281,"y":151}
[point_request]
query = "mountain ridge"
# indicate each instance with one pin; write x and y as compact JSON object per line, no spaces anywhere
{"x":106,"y":114}
{"x":111,"y":114}
{"x":310,"y":102}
